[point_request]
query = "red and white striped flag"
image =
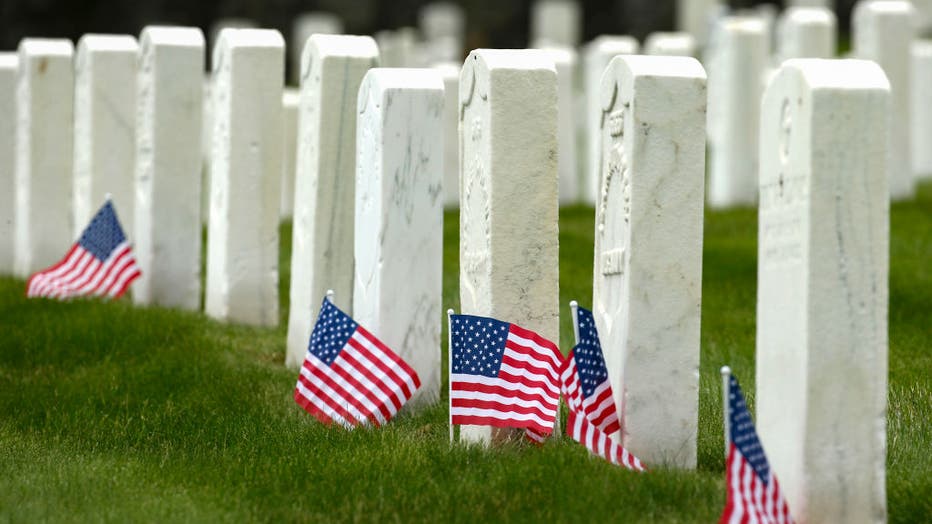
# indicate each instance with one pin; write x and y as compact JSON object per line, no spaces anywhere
{"x":586,"y":386}
{"x":503,"y":375}
{"x":101,"y":263}
{"x":582,"y":430}
{"x":349,"y":376}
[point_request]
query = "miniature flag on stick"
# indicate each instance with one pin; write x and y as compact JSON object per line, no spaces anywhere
{"x":584,"y":376}
{"x":753,"y":491}
{"x":349,"y":376}
{"x":502,"y":375}
{"x":582,"y":430}
{"x":101,"y":263}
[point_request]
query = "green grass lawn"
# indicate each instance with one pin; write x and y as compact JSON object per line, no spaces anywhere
{"x":110,"y":412}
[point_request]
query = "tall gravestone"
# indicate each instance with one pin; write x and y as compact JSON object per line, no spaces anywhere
{"x":44,"y":142}
{"x":305,"y":25}
{"x":564,"y":59}
{"x":290,"y":99}
{"x":882,"y":31}
{"x":9,"y":69}
{"x":822,"y":291}
{"x":169,"y":96}
{"x":443,"y":26}
{"x":104,"y":126}
{"x":806,"y":32}
{"x":598,"y":53}
{"x":399,"y":217}
{"x":556,"y":22}
{"x":450,"y":73}
{"x":694,"y":17}
{"x":670,"y":44}
{"x":921,"y":109}
{"x":245,"y":180}
{"x":322,"y":245}
{"x":735,"y":87}
{"x":647,"y":284}
{"x":508,"y":141}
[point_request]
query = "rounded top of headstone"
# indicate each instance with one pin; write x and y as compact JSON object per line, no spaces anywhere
{"x":561,"y":55}
{"x":342,"y":45}
{"x":9,"y":60}
{"x":102,"y":42}
{"x":837,"y":74}
{"x":640,"y":66}
{"x":389,"y":78}
{"x":172,"y":36}
{"x":614,"y":44}
{"x":511,"y":59}
{"x":320,"y":21}
{"x":249,"y":37}
{"x":46,"y":46}
{"x":670,"y":43}
{"x":890,"y":7}
{"x":744,"y":25}
{"x":806,"y":15}
{"x":438,"y":19}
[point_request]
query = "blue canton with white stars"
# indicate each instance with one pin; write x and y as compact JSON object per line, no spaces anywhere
{"x":590,"y":363}
{"x":743,"y":434}
{"x":331,"y":333}
{"x":478,"y":344}
{"x":103,"y":234}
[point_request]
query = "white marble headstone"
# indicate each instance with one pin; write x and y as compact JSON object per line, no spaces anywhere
{"x":305,"y":25}
{"x":597,"y":54}
{"x":556,"y":22}
{"x":169,"y":97}
{"x":693,"y":17}
{"x":882,"y":31}
{"x":565,"y":61}
{"x":9,"y":69}
{"x":822,"y":292}
{"x":735,"y":87}
{"x":670,"y":44}
{"x":322,"y":245}
{"x":245,"y":181}
{"x":44,"y":142}
{"x":647,"y":283}
{"x":443,"y":26}
{"x":508,"y":140}
{"x":921,"y":109}
{"x":290,"y":99}
{"x":399,"y":48}
{"x":806,"y":32}
{"x":450,"y":73}
{"x":399,"y":217}
{"x":104,"y":127}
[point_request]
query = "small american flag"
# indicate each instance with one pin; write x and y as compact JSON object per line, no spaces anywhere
{"x":503,"y":375}
{"x":753,"y":491}
{"x":349,"y":376}
{"x":101,"y":263}
{"x":585,"y":378}
{"x":582,"y":430}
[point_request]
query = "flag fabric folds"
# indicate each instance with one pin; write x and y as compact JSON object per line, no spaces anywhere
{"x":753,"y":491}
{"x":584,"y":378}
{"x":101,"y":263}
{"x":349,"y":376}
{"x":582,"y":430}
{"x":503,"y":375}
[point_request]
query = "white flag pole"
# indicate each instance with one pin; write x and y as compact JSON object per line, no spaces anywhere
{"x":330,"y":295}
{"x":726,"y":388}
{"x":450,"y":369}
{"x":574,"y":308}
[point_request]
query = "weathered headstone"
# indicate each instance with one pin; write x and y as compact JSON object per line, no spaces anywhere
{"x":104,"y":126}
{"x":399,"y":48}
{"x":564,"y":59}
{"x":647,"y":284}
{"x":822,"y":271}
{"x":806,"y":32}
{"x":508,"y":141}
{"x":694,"y":17}
{"x":322,"y":246}
{"x":555,"y":22}
{"x":443,"y":25}
{"x":307,"y":24}
{"x":921,"y":109}
{"x":597,"y":55}
{"x":44,"y":142}
{"x":9,"y":69}
{"x":290,"y":99}
{"x":169,"y":96}
{"x":399,"y":217}
{"x":735,"y":87}
{"x":450,"y":73}
{"x":245,"y":179}
{"x":670,"y":44}
{"x":882,"y":31}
